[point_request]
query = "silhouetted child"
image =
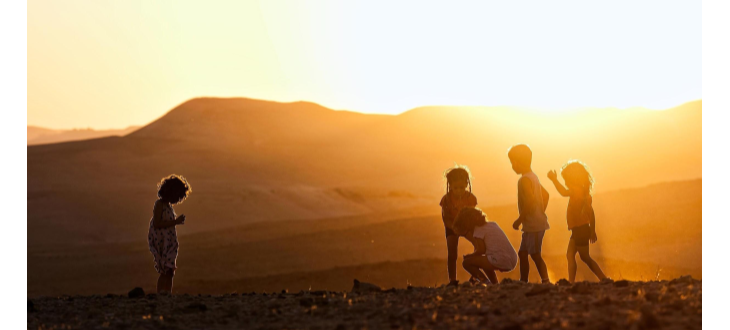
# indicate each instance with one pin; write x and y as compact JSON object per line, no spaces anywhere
{"x":458,"y":179}
{"x":581,"y":219}
{"x":162,"y":237}
{"x":532,"y":200}
{"x":492,"y":249}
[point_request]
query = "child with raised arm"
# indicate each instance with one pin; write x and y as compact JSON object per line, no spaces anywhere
{"x":532,"y":200}
{"x":162,"y":236}
{"x":492,"y":249}
{"x":581,"y":219}
{"x":458,"y":179}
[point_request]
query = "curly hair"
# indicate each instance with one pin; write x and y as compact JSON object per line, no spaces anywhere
{"x":576,"y":172}
{"x":458,"y":172}
{"x":174,"y":188}
{"x":468,"y":219}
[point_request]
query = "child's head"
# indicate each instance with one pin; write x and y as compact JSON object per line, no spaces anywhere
{"x":520,"y":156}
{"x":577,"y":175}
{"x":458,"y":178}
{"x":174,"y":189}
{"x":468,"y":219}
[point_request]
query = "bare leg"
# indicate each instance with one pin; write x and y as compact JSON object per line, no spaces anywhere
{"x":475,"y":265}
{"x":474,"y":270}
{"x":160,"y":283}
{"x":452,"y":243}
{"x":541,"y":267}
{"x":572,"y":265}
{"x":524,"y":266}
{"x":586,"y":257}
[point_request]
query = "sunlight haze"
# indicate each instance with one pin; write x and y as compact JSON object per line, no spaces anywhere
{"x":113,"y":64}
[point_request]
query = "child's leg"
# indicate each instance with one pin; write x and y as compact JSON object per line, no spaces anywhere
{"x":161,"y":283}
{"x":473,"y":269}
{"x":572,"y":265}
{"x":592,"y":264}
{"x":524,"y":266}
{"x":541,"y":267}
{"x":475,"y":265}
{"x":452,"y":244}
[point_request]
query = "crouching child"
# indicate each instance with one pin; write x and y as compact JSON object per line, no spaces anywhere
{"x":492,"y":250}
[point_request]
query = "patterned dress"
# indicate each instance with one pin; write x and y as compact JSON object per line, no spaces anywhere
{"x":163,"y":242}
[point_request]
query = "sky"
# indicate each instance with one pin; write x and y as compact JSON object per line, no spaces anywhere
{"x":112,"y":64}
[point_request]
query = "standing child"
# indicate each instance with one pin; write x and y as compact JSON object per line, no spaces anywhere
{"x":458,"y":179}
{"x":532,"y":200}
{"x":492,"y":249}
{"x":581,"y":219}
{"x":162,"y":237}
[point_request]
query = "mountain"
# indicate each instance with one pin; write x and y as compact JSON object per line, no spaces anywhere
{"x":40,"y":135}
{"x":251,"y":160}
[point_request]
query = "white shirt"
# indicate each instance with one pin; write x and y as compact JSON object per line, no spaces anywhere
{"x":496,"y":241}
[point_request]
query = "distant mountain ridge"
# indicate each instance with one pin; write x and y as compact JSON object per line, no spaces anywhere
{"x":252,"y":160}
{"x":39,"y":135}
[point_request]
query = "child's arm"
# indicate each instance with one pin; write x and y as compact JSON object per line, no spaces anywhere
{"x":157,"y":218}
{"x":479,"y":247}
{"x":524,"y":200}
{"x":553,"y":176}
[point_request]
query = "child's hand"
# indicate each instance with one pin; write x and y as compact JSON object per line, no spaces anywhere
{"x":516,"y":224}
{"x":181,"y":219}
{"x":552,"y":175}
{"x":594,"y":237}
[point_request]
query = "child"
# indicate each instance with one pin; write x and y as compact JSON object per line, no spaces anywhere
{"x":492,"y":249}
{"x":581,"y":219}
{"x":457,"y":197}
{"x":162,"y":237}
{"x":532,"y":200}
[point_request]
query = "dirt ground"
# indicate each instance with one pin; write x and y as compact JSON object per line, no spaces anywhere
{"x":675,"y":304}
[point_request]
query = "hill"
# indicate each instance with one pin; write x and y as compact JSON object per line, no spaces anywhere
{"x":251,"y":161}
{"x":39,"y":135}
{"x":653,"y":232}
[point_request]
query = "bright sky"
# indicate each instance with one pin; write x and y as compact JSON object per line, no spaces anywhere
{"x":111,"y":64}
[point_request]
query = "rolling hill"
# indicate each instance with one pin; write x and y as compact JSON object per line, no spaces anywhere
{"x":251,"y":161}
{"x":39,"y":135}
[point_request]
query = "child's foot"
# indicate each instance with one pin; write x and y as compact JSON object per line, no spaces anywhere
{"x":606,"y":280}
{"x":453,"y":283}
{"x":545,"y":281}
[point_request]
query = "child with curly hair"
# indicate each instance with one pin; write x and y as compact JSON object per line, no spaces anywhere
{"x":458,"y":179}
{"x":162,"y":237}
{"x":581,"y":218}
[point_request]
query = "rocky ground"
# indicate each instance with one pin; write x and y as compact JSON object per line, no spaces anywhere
{"x":675,"y":304}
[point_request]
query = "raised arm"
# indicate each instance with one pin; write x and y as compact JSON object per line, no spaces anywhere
{"x":553,"y":176}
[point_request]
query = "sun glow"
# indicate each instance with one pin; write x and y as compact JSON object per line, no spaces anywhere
{"x":109,"y":64}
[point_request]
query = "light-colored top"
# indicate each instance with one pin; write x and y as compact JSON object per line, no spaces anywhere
{"x":496,"y":241}
{"x":533,"y":210}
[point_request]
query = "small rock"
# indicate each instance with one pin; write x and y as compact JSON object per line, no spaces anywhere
{"x":196,"y":307}
{"x":652,"y":296}
{"x":648,"y":319}
{"x":621,"y":283}
{"x":136,"y":293}
{"x":365,"y":287}
{"x":581,"y":288}
{"x":563,"y":282}
{"x":285,"y":291}
{"x":539,"y":289}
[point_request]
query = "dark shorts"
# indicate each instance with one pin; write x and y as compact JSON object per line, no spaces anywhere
{"x":532,"y":242}
{"x":581,"y":235}
{"x":449,"y":231}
